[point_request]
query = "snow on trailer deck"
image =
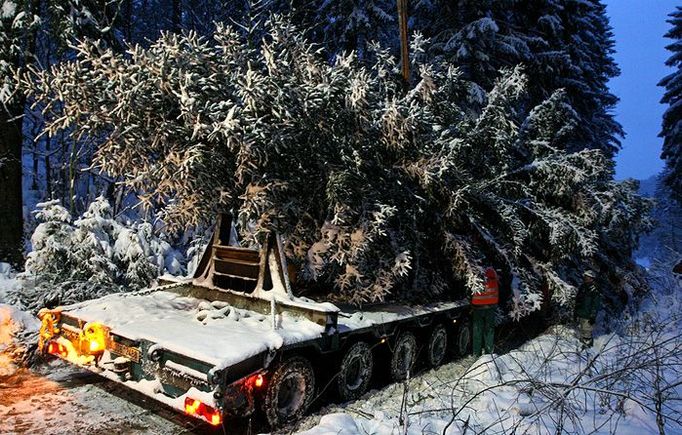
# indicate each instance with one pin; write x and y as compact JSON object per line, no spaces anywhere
{"x":213,"y":332}
{"x":220,"y":334}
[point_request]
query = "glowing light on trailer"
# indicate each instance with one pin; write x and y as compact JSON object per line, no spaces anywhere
{"x":95,"y":336}
{"x":192,"y":406}
{"x":58,"y":349}
{"x":96,"y":346}
{"x":196,"y":408}
{"x":216,"y":418}
{"x":259,"y":380}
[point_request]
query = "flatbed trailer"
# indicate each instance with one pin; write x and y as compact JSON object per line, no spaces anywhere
{"x":234,"y":340}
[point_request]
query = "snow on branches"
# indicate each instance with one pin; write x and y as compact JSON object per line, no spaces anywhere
{"x":93,"y":255}
{"x":380,"y":193}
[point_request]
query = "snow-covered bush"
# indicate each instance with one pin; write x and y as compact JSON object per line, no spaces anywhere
{"x":18,"y":338}
{"x":8,"y":282}
{"x":90,"y":256}
{"x":664,"y":243}
{"x":380,"y":193}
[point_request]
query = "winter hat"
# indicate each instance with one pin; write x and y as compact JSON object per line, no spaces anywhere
{"x":591,"y":273}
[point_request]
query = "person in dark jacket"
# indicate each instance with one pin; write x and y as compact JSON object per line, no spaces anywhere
{"x":587,"y":304}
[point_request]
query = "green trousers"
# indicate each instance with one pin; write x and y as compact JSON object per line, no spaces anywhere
{"x":484,"y":328}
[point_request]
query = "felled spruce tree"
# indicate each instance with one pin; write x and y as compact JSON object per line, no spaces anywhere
{"x":379,"y":193}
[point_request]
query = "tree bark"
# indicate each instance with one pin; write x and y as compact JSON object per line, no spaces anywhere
{"x":11,"y":203}
{"x":177,"y":16}
{"x":128,"y":31}
{"x":48,"y":167}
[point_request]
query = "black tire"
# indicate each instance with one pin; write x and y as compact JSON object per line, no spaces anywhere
{"x":290,"y":391}
{"x":462,"y":342}
{"x":404,"y":356}
{"x":356,"y":370}
{"x":437,"y":348}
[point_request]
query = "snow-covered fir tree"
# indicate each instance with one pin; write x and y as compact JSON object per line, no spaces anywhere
{"x":379,"y":193}
{"x":564,"y":44}
{"x":665,"y":241}
{"x":93,"y":255}
{"x":588,"y":41}
{"x":672,"y":118}
{"x":352,"y":25}
{"x":474,"y":35}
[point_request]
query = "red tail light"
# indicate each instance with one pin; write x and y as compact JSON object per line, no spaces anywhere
{"x":196,"y":408}
{"x":58,"y":349}
{"x":255,"y":381}
{"x":215,"y":417}
{"x":192,"y":406}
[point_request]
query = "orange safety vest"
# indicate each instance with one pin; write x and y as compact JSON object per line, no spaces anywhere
{"x":491,"y":294}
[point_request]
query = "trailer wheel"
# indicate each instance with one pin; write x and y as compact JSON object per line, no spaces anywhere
{"x":404,"y":356}
{"x":290,"y":391}
{"x":463,"y":339}
{"x":438,"y":346}
{"x":356,"y":371}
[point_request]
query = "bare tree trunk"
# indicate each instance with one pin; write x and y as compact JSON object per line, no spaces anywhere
{"x":659,"y":400}
{"x":33,"y":125}
{"x":48,"y":168}
{"x":129,"y":21}
{"x":404,"y":43}
{"x":11,"y":202}
{"x":35,"y":185}
{"x":72,"y":177}
{"x":11,"y":166}
{"x":177,"y":15}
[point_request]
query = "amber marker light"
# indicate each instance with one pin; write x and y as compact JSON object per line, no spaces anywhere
{"x":95,"y":336}
{"x":96,"y":346}
{"x":259,"y":381}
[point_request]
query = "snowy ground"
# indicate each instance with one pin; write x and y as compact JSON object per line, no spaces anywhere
{"x":627,"y":383}
{"x":61,"y":400}
{"x":499,"y":394}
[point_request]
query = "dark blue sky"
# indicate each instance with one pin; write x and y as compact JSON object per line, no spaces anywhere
{"x":639,"y":26}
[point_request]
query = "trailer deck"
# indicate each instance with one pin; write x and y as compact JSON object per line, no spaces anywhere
{"x":219,"y":334}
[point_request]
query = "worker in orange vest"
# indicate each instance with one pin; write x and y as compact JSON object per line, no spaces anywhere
{"x":484,"y":308}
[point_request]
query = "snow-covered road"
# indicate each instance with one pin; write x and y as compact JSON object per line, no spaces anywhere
{"x":58,"y":399}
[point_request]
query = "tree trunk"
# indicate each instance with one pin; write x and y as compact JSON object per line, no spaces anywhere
{"x":177,"y":16}
{"x":48,"y":168}
{"x":36,"y":167}
{"x":11,"y":204}
{"x":128,"y":31}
